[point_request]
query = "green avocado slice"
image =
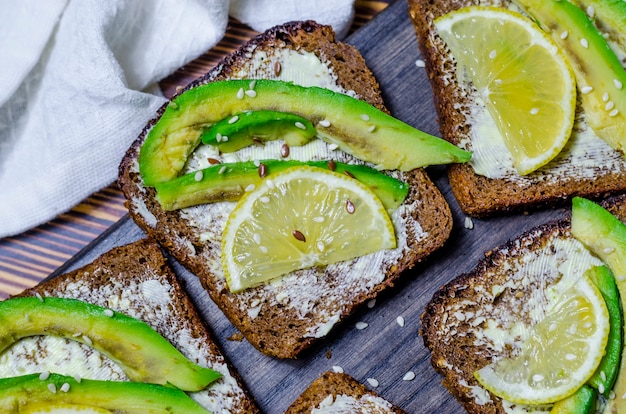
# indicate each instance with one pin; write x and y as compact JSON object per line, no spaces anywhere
{"x":248,"y":128}
{"x":228,"y":182}
{"x":600,"y":76}
{"x":58,"y":393}
{"x":142,"y":353}
{"x":610,"y":18}
{"x":353,"y":125}
{"x":605,"y":236}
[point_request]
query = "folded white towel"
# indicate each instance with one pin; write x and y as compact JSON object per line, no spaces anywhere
{"x":78,"y":84}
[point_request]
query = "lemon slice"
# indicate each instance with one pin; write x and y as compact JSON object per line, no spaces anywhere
{"x":521,"y":75}
{"x":300,"y":218}
{"x":561,"y":354}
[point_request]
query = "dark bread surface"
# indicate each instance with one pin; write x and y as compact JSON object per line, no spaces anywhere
{"x":334,"y":384}
{"x":279,"y":330}
{"x":478,"y":195}
{"x":452,"y":338}
{"x":132,"y":274}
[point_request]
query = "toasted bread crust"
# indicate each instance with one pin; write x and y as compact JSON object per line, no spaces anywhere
{"x":280,"y":331}
{"x":331,"y":383}
{"x":477,"y":195}
{"x":454,"y":351}
{"x":111,"y":275}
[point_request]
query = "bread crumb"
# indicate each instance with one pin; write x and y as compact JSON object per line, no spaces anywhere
{"x":237,"y":336}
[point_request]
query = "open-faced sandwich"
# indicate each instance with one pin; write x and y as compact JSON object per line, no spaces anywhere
{"x":538,"y":325}
{"x":118,"y":335}
{"x":282,"y":182}
{"x":536,"y":90}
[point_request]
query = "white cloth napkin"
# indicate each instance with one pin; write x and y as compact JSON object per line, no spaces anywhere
{"x":78,"y":84}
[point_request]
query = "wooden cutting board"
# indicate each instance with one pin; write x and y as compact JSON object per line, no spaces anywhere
{"x":384,"y":351}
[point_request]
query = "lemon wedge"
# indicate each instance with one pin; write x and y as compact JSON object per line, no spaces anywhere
{"x":300,"y":218}
{"x":521,"y":75}
{"x":561,"y":354}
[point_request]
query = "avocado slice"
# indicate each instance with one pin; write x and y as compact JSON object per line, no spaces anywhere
{"x":605,"y":236}
{"x":353,"y":125}
{"x":26,"y":393}
{"x":582,"y":401}
{"x":610,"y":19}
{"x":142,"y":353}
{"x":600,"y":77}
{"x":604,"y":377}
{"x":247,"y":128}
{"x":227,"y":182}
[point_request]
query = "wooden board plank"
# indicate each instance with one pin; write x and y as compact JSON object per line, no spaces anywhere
{"x":384,"y":350}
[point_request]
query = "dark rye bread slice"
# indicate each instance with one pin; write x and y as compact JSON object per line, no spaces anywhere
{"x":136,"y":280}
{"x":340,"y":393}
{"x":464,"y":324}
{"x":281,"y":319}
{"x":597,"y":175}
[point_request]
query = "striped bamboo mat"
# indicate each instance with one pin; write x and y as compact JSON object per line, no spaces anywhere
{"x":28,"y":258}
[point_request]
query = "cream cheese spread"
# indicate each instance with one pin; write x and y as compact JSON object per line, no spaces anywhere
{"x":345,"y":404}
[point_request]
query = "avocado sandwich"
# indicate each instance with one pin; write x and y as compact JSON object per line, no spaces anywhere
{"x":116,"y":335}
{"x":281,"y":181}
{"x":544,"y":124}
{"x":537,"y":326}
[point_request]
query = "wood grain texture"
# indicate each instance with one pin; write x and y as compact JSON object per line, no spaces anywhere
{"x":384,"y":350}
{"x":28,"y":258}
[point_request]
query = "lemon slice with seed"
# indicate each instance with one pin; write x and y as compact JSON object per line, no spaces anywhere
{"x":521,"y":75}
{"x":301,"y":218}
{"x":561,"y":354}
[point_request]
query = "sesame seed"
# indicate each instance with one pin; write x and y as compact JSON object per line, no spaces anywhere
{"x":420,"y":63}
{"x":372,"y":128}
{"x":564,"y":34}
{"x":601,"y":388}
{"x":614,"y":112}
{"x":584,"y":43}
{"x":249,"y":188}
{"x":240,"y":93}
{"x":179,"y":88}
{"x":324,"y":122}
{"x":586,"y":89}
{"x":52,"y":388}
{"x":609,"y":105}
{"x":256,"y":163}
{"x":198,"y":176}
{"x":332,"y":165}
{"x":78,"y":378}
{"x":44,"y":375}
{"x":233,"y":119}
{"x":300,"y":125}
{"x":262,"y":170}
{"x":257,"y":238}
{"x":318,"y":219}
{"x":213,"y":161}
{"x":371,"y":303}
{"x":534,"y":111}
{"x":605,"y":97}
{"x":39,"y":296}
{"x":400,"y":321}
{"x":603,"y":375}
{"x":263,"y":249}
{"x":469,"y":224}
{"x":297,"y":234}
{"x":361,"y":325}
{"x":618,"y":84}
{"x":224,"y":138}
{"x":409,"y":376}
{"x":277,"y":69}
{"x":218,"y":137}
{"x":350,"y":207}
{"x":264,"y":199}
{"x":252,"y":84}
{"x":373,"y":382}
{"x":87,"y":340}
{"x":337,"y":369}
{"x":570,"y":357}
{"x":333,"y":146}
{"x":108,"y":312}
{"x":222,"y":170}
{"x":365,"y":117}
{"x":65,"y":387}
{"x":591,"y":11}
{"x":492,"y":54}
{"x":284,"y":151}
{"x":250,"y":93}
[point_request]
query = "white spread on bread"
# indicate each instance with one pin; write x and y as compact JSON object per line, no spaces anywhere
{"x":146,"y":300}
{"x":346,"y":404}
{"x":303,"y":290}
